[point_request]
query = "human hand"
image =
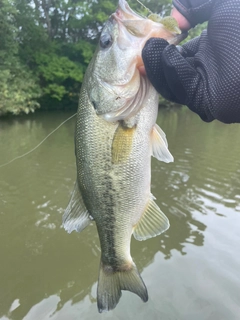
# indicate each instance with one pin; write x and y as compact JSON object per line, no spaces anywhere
{"x":183,"y":23}
{"x":205,"y":75}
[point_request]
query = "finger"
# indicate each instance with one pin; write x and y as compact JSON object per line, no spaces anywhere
{"x":183,"y":23}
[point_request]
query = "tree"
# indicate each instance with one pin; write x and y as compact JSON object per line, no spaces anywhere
{"x":63,"y":34}
{"x":55,"y":45}
{"x":18,"y":87}
{"x":46,"y":45}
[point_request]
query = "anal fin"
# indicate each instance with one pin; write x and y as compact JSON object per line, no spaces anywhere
{"x":76,"y":216}
{"x":152,"y":223}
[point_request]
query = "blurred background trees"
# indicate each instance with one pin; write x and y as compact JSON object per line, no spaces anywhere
{"x":45,"y":47}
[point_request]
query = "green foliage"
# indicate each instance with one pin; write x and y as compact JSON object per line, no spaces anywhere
{"x":18,"y":87}
{"x":19,"y":91}
{"x":162,"y":7}
{"x":59,"y":74}
{"x":61,"y":70}
{"x":195,"y":32}
{"x":46,"y":45}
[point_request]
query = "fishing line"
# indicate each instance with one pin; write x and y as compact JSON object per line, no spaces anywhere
{"x":27,"y":153}
{"x":144,"y":6}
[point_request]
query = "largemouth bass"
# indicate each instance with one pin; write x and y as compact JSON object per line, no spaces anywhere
{"x":116,"y":136}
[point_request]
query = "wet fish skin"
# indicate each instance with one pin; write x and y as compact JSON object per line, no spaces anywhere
{"x":115,"y":137}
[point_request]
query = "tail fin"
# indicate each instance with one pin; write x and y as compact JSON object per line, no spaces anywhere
{"x":110,"y":284}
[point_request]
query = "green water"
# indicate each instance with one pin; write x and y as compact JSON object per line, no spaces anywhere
{"x":192,"y":271}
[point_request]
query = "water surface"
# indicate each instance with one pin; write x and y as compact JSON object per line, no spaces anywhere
{"x":192,"y":271}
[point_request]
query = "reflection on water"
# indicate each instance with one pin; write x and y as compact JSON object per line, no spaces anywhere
{"x":191,"y":271}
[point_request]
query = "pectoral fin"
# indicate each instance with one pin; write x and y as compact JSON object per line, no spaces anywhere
{"x":76,"y":216}
{"x":122,"y":144}
{"x":160,"y":146}
{"x":152,"y":223}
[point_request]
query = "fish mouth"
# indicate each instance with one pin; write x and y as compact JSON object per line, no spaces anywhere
{"x":124,"y":11}
{"x":137,"y":25}
{"x":126,"y":17}
{"x":129,"y":90}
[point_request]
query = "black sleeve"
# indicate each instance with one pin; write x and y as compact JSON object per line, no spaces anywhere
{"x":195,"y":11}
{"x":206,"y":76}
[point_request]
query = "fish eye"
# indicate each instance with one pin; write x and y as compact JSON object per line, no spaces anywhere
{"x":105,"y":41}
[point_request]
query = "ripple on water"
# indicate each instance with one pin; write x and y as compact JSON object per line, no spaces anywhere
{"x":191,"y":271}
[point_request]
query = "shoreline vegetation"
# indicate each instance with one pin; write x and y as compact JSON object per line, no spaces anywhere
{"x":45,"y":47}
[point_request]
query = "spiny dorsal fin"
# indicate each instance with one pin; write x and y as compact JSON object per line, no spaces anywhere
{"x":160,"y":145}
{"x":76,"y":216}
{"x":122,"y":144}
{"x":152,"y":223}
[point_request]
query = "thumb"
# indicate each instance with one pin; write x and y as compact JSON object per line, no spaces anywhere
{"x":152,"y":58}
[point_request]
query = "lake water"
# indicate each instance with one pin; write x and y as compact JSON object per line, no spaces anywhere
{"x":192,"y":271}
